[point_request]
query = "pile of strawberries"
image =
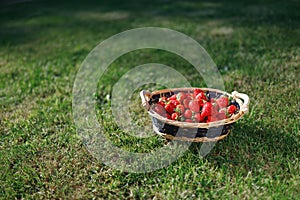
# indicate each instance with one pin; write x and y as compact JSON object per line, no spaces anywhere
{"x":194,"y":107}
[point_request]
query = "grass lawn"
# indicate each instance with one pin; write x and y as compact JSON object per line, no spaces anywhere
{"x":42,"y":45}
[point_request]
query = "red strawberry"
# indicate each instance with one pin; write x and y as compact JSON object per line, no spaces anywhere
{"x":174,"y":116}
{"x":221,"y":115}
{"x":201,"y":103}
{"x":213,"y":100}
{"x":201,"y":96}
{"x":175,"y":102}
{"x":214,"y":118}
{"x":194,"y":106}
{"x":186,"y":103}
{"x":173,"y":97}
{"x":211,"y":119}
{"x":170,"y":108}
{"x":197,"y":91}
{"x":231,"y":109}
{"x":189,"y":120}
{"x":164,"y":99}
{"x":197,"y":117}
{"x":190,"y":96}
{"x":179,"y":109}
{"x":188,"y":114}
{"x":206,"y":110}
{"x":168,"y":116}
{"x":222,"y":102}
{"x":214,"y":110}
{"x":223,"y":110}
{"x":181,"y":96}
{"x":161,"y":103}
{"x":208,"y":119}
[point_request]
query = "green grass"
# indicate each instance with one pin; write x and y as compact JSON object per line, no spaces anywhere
{"x":42,"y":45}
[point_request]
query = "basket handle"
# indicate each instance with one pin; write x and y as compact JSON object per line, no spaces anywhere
{"x":144,"y":96}
{"x":245,"y":107}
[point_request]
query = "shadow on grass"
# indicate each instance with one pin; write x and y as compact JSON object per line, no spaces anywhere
{"x":254,"y":147}
{"x":27,"y":21}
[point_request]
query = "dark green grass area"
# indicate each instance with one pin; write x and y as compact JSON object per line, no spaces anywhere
{"x":255,"y":45}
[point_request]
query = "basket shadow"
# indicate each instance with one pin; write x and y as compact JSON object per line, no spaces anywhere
{"x":253,"y":148}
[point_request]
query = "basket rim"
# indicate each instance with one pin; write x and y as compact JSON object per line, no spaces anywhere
{"x":180,"y":124}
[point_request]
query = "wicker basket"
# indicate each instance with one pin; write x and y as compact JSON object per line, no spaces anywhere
{"x":193,"y":132}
